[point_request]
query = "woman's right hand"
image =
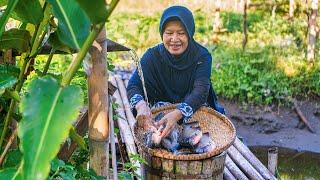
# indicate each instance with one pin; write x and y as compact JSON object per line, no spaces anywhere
{"x":144,"y":117}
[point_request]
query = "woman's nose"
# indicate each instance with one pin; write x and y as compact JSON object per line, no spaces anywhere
{"x":174,"y":37}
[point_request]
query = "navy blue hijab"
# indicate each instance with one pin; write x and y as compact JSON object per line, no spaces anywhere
{"x":176,"y":79}
{"x":190,"y":56}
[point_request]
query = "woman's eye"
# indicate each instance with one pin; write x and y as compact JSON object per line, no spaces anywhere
{"x":182,"y":33}
{"x":169,"y":33}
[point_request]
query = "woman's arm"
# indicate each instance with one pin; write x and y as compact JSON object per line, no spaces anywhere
{"x":200,"y":91}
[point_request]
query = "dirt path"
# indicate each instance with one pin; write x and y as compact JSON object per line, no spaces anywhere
{"x":277,"y":126}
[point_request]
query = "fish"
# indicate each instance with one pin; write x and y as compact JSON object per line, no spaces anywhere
{"x":190,"y":134}
{"x":186,"y":138}
{"x":206,"y":144}
{"x":152,"y":139}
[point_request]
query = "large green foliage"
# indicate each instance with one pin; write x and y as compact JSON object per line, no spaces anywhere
{"x":16,"y":39}
{"x":23,"y":9}
{"x":73,"y":23}
{"x":45,"y":127}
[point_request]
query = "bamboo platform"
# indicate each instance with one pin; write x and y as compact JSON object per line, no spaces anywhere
{"x":240,"y":162}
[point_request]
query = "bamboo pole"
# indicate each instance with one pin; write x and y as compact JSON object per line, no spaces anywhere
{"x":253,"y":160}
{"x":124,"y":128}
{"x":243,"y":164}
{"x":234,"y":169}
{"x":98,"y":107}
{"x":124,"y":97}
{"x":113,"y":145}
{"x":227,"y":174}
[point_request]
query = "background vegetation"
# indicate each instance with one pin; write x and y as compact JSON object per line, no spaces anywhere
{"x":272,"y":69}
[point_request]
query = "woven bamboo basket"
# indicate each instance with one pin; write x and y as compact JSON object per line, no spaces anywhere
{"x":162,"y":164}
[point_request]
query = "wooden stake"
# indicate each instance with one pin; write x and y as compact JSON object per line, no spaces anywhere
{"x":98,"y":108}
{"x":253,"y":160}
{"x":302,"y":117}
{"x":243,"y":164}
{"x":273,"y":159}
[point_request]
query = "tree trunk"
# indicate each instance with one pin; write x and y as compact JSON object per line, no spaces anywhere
{"x":245,"y":24}
{"x":217,"y":24}
{"x":312,"y":31}
{"x":98,"y":107}
{"x":291,"y":9}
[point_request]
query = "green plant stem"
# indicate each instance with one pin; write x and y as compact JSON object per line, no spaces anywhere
{"x":46,"y":67}
{"x":12,"y":103}
{"x":68,"y":75}
{"x":14,"y":95}
{"x":111,"y":7}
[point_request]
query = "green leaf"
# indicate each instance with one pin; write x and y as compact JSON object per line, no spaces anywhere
{"x":9,"y":173}
{"x":15,"y":39}
{"x":9,"y":70}
{"x":96,"y":11}
{"x":48,"y":113}
{"x":6,"y":81}
{"x":73,"y":23}
{"x":5,"y":16}
{"x":56,"y":44}
{"x":23,"y":9}
{"x":13,"y":158}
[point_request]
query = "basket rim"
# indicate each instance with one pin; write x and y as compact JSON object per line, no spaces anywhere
{"x":217,"y":151}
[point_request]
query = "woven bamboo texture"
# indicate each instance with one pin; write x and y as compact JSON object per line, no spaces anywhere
{"x":219,"y":127}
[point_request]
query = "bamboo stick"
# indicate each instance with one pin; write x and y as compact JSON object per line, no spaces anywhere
{"x":124,"y":128}
{"x":243,"y":164}
{"x":234,"y":169}
{"x":124,"y":97}
{"x":253,"y":160}
{"x":113,"y":145}
{"x":227,"y":174}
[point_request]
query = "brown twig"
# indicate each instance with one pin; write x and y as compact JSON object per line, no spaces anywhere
{"x":302,"y":117}
{"x":10,"y":141}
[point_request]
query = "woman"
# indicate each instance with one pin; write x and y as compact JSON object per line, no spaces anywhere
{"x":176,"y":71}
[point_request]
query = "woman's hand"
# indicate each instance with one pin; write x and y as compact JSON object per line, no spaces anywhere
{"x":144,"y":117}
{"x":169,"y":120}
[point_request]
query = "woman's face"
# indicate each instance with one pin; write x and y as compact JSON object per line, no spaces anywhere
{"x":175,"y":37}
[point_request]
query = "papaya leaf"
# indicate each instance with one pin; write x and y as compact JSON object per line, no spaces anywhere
{"x":5,"y":16}
{"x":96,"y":11}
{"x":9,"y":173}
{"x":48,"y":112}
{"x":73,"y":23}
{"x":6,"y":81}
{"x":15,"y":39}
{"x":23,"y":9}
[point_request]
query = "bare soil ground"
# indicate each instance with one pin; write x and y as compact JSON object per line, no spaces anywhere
{"x":277,"y":126}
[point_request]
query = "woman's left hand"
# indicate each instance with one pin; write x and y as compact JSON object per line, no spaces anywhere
{"x":169,"y":120}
